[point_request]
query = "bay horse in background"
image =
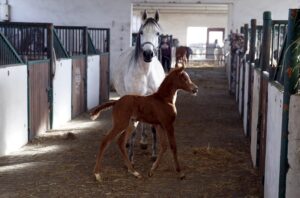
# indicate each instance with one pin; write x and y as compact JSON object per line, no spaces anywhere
{"x":139,"y":72}
{"x":183,"y":55}
{"x":157,"y":109}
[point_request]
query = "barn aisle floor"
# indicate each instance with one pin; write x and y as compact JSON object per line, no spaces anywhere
{"x":212,"y":149}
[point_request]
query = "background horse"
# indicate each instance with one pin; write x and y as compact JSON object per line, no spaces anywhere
{"x":139,"y":72}
{"x":182,"y":55}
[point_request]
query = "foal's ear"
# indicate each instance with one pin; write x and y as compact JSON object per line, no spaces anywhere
{"x":144,"y":17}
{"x":156,"y":17}
{"x":180,"y":69}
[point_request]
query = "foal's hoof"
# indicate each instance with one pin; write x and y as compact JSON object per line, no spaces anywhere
{"x":181,"y":176}
{"x":136,"y":174}
{"x":150,"y":173}
{"x":143,"y":146}
{"x":98,"y":177}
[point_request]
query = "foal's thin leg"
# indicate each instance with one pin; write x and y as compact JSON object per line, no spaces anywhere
{"x":154,"y":143}
{"x":122,"y":146}
{"x":105,"y":142}
{"x":172,"y":143}
{"x":163,"y":148}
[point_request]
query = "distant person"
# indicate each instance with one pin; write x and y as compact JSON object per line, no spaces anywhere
{"x":218,"y":53}
{"x":165,"y":54}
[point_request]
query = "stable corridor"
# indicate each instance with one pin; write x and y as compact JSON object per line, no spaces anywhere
{"x":212,"y":149}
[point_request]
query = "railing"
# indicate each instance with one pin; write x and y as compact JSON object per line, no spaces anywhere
{"x":99,"y":37}
{"x":8,"y":55}
{"x":60,"y":51}
{"x":30,"y":40}
{"x":73,"y":39}
{"x":279,"y":30}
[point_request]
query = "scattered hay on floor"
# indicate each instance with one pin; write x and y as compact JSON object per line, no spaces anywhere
{"x":214,"y":159}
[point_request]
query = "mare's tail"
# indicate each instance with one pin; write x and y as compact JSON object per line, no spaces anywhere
{"x":94,"y":114}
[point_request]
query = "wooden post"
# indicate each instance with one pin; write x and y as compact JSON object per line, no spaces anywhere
{"x":85,"y":52}
{"x":252,"y":41}
{"x":291,"y":74}
{"x":246,"y":30}
{"x":263,"y":92}
{"x":50,"y":56}
{"x":266,"y":41}
{"x":250,"y":77}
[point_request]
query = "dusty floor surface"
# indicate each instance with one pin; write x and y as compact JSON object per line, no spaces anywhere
{"x":212,"y":149}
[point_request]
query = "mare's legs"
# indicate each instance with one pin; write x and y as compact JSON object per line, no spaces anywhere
{"x":143,"y":141}
{"x":163,"y":148}
{"x":105,"y":142}
{"x":122,"y":146}
{"x":131,"y":144}
{"x":172,"y":143}
{"x":154,"y":143}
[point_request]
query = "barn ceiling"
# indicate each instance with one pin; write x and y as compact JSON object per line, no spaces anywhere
{"x":181,"y":8}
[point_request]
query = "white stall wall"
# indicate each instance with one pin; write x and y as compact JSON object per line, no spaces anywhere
{"x":273,"y":141}
{"x":93,"y":81}
{"x":62,"y":89}
{"x":255,"y":103}
{"x":246,"y":94}
{"x":13,"y":108}
{"x":293,"y":176}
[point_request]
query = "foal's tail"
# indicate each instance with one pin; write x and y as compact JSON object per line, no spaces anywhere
{"x":94,"y":114}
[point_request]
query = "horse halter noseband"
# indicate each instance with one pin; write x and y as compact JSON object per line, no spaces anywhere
{"x":154,"y":48}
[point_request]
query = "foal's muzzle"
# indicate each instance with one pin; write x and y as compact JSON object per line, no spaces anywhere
{"x":194,"y":90}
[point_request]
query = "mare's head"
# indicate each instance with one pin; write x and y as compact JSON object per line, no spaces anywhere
{"x":181,"y":80}
{"x":147,"y":38}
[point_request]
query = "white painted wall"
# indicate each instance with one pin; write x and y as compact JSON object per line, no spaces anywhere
{"x":62,"y":90}
{"x":273,"y":141}
{"x":245,"y":105}
{"x":182,"y":22}
{"x":245,"y":10}
{"x":254,"y":120}
{"x":93,"y":81}
{"x":13,"y":108}
{"x":293,"y":175}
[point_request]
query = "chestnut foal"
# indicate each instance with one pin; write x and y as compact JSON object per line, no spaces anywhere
{"x":157,"y":109}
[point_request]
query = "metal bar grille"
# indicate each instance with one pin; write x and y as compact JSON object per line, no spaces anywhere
{"x":100,"y":39}
{"x":28,"y":39}
{"x":8,"y":55}
{"x":72,"y":39}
